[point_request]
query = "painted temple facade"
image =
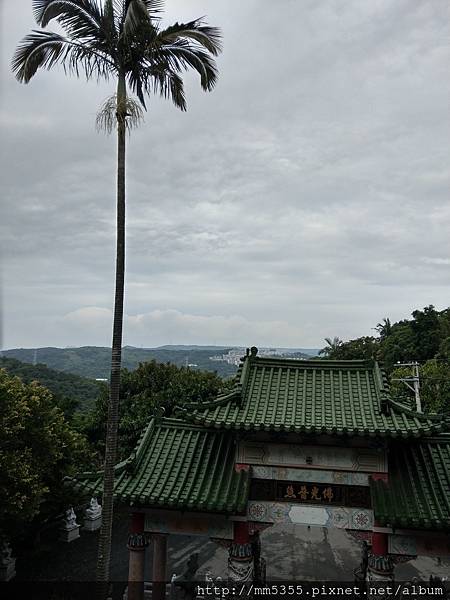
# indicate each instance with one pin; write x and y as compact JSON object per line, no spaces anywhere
{"x":316,"y":442}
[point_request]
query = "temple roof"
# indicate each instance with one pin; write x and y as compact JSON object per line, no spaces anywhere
{"x":180,"y":467}
{"x":311,"y":396}
{"x":417,"y":494}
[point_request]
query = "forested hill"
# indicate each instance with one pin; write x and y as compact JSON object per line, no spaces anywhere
{"x":95,"y":362}
{"x":71,"y":391}
{"x":424,"y":339}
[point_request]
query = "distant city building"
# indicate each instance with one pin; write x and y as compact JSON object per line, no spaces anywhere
{"x":233,"y":357}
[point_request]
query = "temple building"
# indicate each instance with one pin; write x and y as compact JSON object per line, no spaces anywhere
{"x":314,"y":442}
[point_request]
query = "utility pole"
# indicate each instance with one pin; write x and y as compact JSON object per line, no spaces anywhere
{"x":413,"y":382}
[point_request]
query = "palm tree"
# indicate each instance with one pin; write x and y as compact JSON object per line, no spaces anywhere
{"x":124,"y":40}
{"x":384,"y":328}
{"x":332,"y":347}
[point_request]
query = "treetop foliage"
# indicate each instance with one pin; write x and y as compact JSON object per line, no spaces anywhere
{"x":120,"y":39}
{"x":152,"y":385}
{"x":424,"y":338}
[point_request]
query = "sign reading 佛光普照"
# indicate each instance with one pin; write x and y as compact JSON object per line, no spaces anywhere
{"x":310,"y":493}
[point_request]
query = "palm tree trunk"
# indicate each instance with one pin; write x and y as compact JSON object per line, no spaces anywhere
{"x":104,"y":546}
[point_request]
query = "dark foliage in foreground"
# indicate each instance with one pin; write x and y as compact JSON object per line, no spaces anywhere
{"x":38,"y":448}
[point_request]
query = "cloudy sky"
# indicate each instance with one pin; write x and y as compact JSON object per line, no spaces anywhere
{"x":306,"y":196}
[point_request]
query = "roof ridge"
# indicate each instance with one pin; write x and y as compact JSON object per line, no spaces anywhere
{"x":175,"y":423}
{"x":218,"y":401}
{"x":438,"y":438}
{"x":135,"y":458}
{"x":315,"y":362}
{"x":395,"y":404}
{"x":383,"y":389}
{"x":240,"y":379}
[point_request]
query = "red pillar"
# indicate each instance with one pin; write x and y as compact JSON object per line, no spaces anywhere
{"x":241,"y":534}
{"x":240,"y":560}
{"x":380,"y":563}
{"x":137,"y":543}
{"x":379,"y":543}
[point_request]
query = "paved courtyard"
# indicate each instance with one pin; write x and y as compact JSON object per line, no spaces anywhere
{"x":291,"y":551}
{"x":296,"y":552}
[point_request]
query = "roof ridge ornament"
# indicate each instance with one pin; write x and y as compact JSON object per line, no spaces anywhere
{"x":384,"y":403}
{"x":159,"y":413}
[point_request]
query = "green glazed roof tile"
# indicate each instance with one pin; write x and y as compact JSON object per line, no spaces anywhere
{"x":178,"y":466}
{"x":417,"y":494}
{"x":315,"y":396}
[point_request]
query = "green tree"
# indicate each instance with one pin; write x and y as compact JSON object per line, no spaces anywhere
{"x":361,"y":348}
{"x":427,"y":333}
{"x":422,"y":338}
{"x":398,"y":346}
{"x":120,"y":39}
{"x":444,"y":349}
{"x":152,"y":385}
{"x":37,"y":450}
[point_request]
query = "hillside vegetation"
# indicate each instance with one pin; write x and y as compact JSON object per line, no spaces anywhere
{"x":71,"y":392}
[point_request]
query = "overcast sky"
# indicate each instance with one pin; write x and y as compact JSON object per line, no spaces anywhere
{"x":306,"y":196}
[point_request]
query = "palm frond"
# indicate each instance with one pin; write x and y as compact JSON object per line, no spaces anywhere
{"x":154,"y":8}
{"x":135,"y":17}
{"x":181,"y":56}
{"x":119,"y":7}
{"x":43,"y":49}
{"x":137,"y":83}
{"x":158,"y":79}
{"x":208,"y":37}
{"x":170,"y":85}
{"x":80,"y":18}
{"x":39,"y":49}
{"x":109,"y":23}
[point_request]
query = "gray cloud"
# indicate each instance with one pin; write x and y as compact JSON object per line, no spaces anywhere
{"x":306,"y":196}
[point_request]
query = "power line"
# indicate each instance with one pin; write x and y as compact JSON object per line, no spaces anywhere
{"x":414,"y":380}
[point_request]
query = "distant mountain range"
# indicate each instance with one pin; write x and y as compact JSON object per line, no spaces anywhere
{"x":94,"y":361}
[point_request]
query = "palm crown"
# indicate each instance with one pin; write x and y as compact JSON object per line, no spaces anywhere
{"x":120,"y":38}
